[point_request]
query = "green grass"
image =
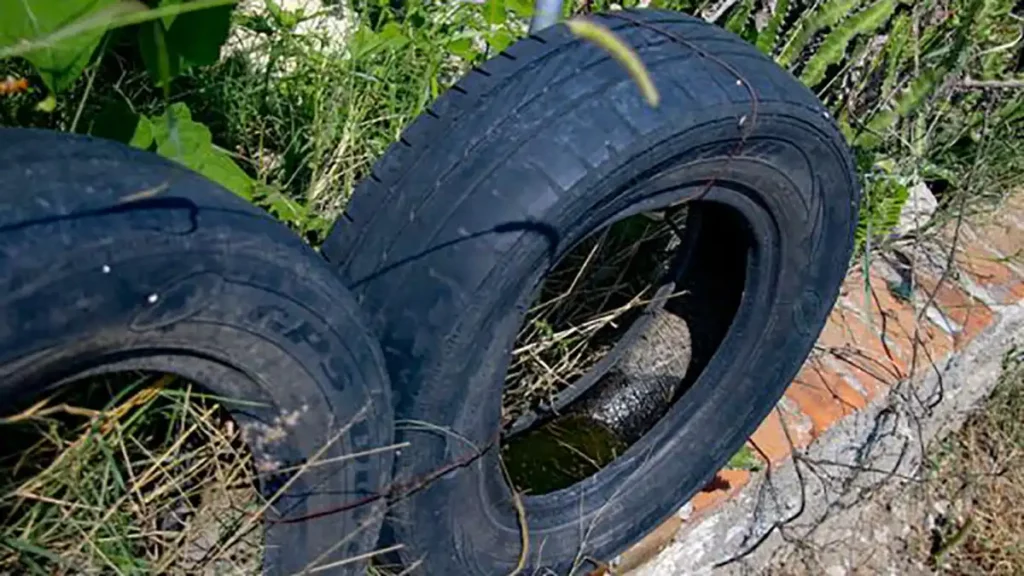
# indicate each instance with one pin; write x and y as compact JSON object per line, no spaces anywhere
{"x":127,"y":475}
{"x":306,"y":116}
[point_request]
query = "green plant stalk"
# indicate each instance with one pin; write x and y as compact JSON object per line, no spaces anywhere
{"x":769,"y":37}
{"x":620,"y":51}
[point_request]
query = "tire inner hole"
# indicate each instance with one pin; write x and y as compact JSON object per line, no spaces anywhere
{"x":620,"y":328}
{"x":131,"y":472}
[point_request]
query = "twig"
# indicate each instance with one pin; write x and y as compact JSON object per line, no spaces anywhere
{"x":357,"y":558}
{"x":778,"y":525}
{"x":524,"y":529}
{"x":992,"y":84}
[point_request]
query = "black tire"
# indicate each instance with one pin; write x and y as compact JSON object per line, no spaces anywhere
{"x":114,"y":259}
{"x":545,"y":144}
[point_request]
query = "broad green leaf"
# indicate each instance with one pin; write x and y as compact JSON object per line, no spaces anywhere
{"x":463,"y":48}
{"x":120,"y":14}
{"x":188,"y":142}
{"x":363,"y":43}
{"x":494,"y":12}
{"x":285,"y":19}
{"x":58,"y":63}
{"x":367,"y":42}
{"x":744,"y":459}
{"x":177,"y":136}
{"x":48,"y":104}
{"x":143,"y":136}
{"x":280,"y":205}
{"x":198,"y":36}
{"x":500,"y":40}
{"x":393,"y":36}
{"x":220,"y":168}
{"x":194,"y":39}
{"x":521,"y":8}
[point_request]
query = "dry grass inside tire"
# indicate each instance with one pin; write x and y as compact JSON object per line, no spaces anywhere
{"x":127,"y":474}
{"x":584,"y":306}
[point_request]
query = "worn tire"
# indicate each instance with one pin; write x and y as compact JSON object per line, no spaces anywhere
{"x":548,"y":142}
{"x":114,"y":259}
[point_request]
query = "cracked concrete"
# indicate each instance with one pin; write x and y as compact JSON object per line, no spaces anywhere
{"x":823,"y":495}
{"x":908,"y":352}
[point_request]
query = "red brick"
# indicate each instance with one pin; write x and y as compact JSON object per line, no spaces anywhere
{"x":771,"y":440}
{"x":861,"y":352}
{"x":727,"y":483}
{"x":917,"y":341}
{"x":1003,"y":229}
{"x":823,"y":395}
{"x":985,"y":268}
{"x":967,"y":312}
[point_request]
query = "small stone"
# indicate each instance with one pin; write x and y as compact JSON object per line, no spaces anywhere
{"x":918,"y":211}
{"x":686,"y":511}
{"x":835,"y":571}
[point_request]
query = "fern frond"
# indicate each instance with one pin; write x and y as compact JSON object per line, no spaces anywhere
{"x":739,"y":17}
{"x":826,"y":16}
{"x":999,"y":36}
{"x":891,"y":207}
{"x":881,"y":207}
{"x":896,"y":51}
{"x":834,"y":47}
{"x":919,"y":91}
{"x":769,"y":37}
{"x":967,"y":33}
{"x":924,"y":86}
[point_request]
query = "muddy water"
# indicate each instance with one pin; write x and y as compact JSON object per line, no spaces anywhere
{"x":616,"y":412}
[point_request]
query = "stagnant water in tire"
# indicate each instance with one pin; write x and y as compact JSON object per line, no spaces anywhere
{"x":584,"y":307}
{"x":127,"y":473}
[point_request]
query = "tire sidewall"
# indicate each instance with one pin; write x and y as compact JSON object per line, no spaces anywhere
{"x":813,"y":239}
{"x":197,"y":283}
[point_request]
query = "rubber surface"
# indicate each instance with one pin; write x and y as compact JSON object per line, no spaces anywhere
{"x":543,"y":145}
{"x":116,"y":259}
